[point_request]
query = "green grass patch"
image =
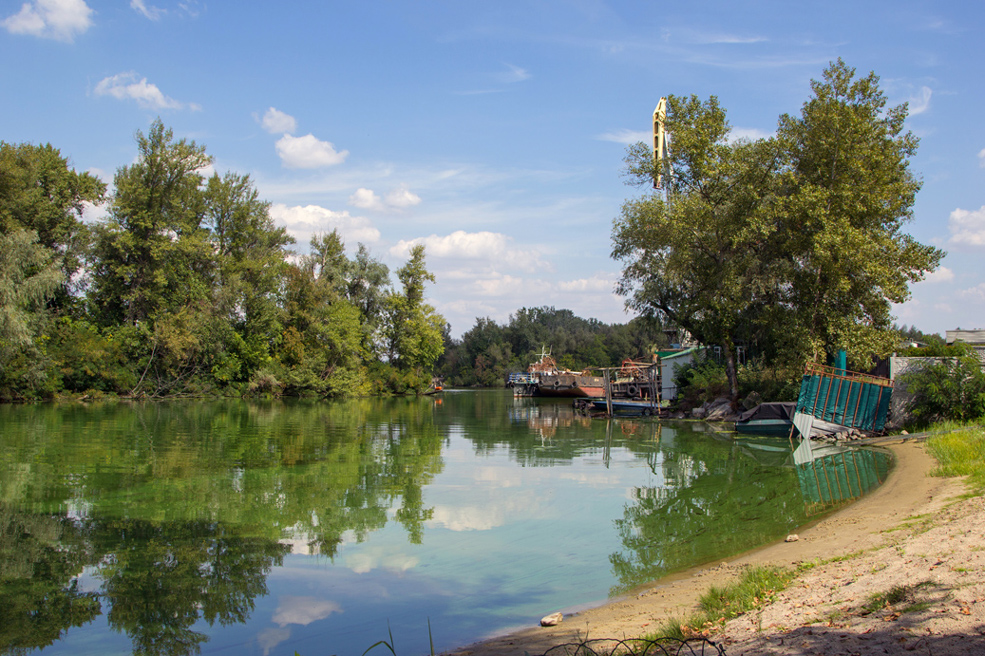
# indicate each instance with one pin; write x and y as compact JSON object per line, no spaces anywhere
{"x":960,"y":452}
{"x":758,"y":586}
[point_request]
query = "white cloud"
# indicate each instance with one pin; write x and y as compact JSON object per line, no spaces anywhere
{"x":975,"y":294}
{"x":593,"y":284}
{"x":626,"y":136}
{"x":395,"y":199}
{"x":303,"y":610}
{"x":302,"y":222}
{"x":940,"y":274}
{"x":488,"y":247}
{"x":752,"y":134}
{"x":307,"y":152}
{"x":514,"y":74}
{"x":401,"y":197}
{"x":61,"y":20}
{"x":366,"y":199}
{"x":967,"y":227}
{"x":126,"y":86}
{"x":277,"y":122}
{"x":921,"y":103}
{"x":981,"y":157}
{"x":150,"y":12}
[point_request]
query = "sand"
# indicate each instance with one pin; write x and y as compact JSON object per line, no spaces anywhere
{"x":916,"y":536}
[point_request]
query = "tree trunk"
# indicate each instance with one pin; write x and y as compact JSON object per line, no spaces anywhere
{"x":730,"y":372}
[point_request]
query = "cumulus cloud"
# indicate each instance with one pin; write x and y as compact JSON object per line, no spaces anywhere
{"x":307,"y":152}
{"x":981,"y":158}
{"x":395,"y":199}
{"x":149,"y":11}
{"x":275,"y":121}
{"x":61,"y":20}
{"x":940,"y":274}
{"x":967,"y":227}
{"x":127,"y":86}
{"x":477,"y":246}
{"x":302,"y":222}
{"x":303,"y":610}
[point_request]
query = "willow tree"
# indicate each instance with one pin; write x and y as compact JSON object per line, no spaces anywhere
{"x":700,"y":257}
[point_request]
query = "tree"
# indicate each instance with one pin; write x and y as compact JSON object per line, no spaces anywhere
{"x":848,"y":193}
{"x":794,"y":241}
{"x":415,"y":328}
{"x":153,"y":255}
{"x":701,"y":258}
{"x":40,"y":193}
{"x":29,"y":275}
{"x":250,"y":261}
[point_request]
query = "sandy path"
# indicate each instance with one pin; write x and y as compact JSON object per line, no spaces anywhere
{"x":823,"y":609}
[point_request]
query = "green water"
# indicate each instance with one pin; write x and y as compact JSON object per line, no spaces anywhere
{"x":273,"y":527}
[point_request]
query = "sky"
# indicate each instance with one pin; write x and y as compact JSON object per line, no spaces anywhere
{"x":493,"y":133}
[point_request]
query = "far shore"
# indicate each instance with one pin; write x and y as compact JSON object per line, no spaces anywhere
{"x":860,"y":527}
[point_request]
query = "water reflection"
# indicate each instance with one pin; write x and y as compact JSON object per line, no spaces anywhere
{"x":170,"y":523}
{"x":181,"y":519}
{"x":831,"y":475}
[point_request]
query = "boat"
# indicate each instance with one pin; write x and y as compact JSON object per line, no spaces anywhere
{"x":628,"y":407}
{"x":543,"y":378}
{"x":767,"y":419}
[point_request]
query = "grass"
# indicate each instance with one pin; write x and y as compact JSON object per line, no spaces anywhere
{"x":758,"y":586}
{"x":960,"y":451}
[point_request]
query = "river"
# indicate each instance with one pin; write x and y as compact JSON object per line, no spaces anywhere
{"x":275,"y":527}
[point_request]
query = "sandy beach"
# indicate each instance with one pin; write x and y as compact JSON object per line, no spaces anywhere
{"x":916,"y":537}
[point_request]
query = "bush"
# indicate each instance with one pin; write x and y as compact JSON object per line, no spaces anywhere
{"x":950,"y":390}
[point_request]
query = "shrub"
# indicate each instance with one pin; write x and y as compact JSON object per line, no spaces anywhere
{"x":953,"y":389}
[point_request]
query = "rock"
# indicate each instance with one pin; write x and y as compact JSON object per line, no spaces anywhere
{"x":698,"y":413}
{"x":552,"y":620}
{"x":793,"y":537}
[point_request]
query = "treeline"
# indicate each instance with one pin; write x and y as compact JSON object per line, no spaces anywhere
{"x":187,"y":287}
{"x":489,"y":352}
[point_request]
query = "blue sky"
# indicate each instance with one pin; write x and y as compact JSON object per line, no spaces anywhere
{"x":495,"y":132}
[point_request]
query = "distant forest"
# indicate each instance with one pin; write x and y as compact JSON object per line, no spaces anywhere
{"x":488,"y":352}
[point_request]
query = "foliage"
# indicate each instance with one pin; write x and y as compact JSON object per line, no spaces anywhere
{"x":702,"y":257}
{"x":791,"y":244}
{"x":951,"y":389}
{"x":938,"y":350}
{"x":489,"y":352}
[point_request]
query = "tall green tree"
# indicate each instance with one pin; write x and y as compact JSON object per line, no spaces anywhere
{"x":700,"y":258}
{"x":153,"y":255}
{"x":848,"y":192}
{"x":414,"y":332}
{"x":250,"y":264}
{"x":39,"y":192}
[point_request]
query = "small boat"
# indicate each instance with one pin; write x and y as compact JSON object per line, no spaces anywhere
{"x":629,"y":407}
{"x":767,"y":419}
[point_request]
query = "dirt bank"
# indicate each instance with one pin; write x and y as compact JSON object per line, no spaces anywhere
{"x":915,"y":537}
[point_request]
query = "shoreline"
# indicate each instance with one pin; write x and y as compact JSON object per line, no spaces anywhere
{"x":908,"y":491}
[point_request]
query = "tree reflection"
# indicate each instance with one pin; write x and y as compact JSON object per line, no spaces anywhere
{"x":159,"y":579}
{"x":40,"y":555}
{"x":182,"y":510}
{"x":713,"y":503}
